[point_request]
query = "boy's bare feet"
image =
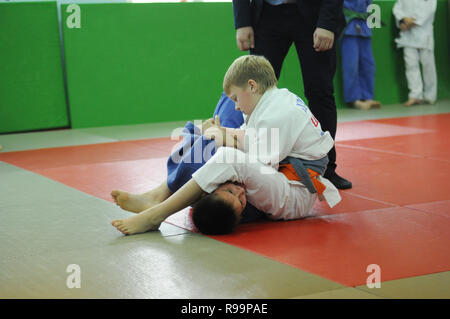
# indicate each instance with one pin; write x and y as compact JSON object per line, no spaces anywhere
{"x":134,"y":203}
{"x":137,"y":203}
{"x":362,"y":105}
{"x":374,"y":104}
{"x":139,"y":223}
{"x":412,"y":102}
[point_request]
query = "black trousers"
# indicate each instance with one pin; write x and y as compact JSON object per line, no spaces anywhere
{"x":280,"y":26}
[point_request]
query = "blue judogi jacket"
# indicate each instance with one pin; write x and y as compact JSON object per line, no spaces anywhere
{"x":356,"y":26}
{"x":195,"y":150}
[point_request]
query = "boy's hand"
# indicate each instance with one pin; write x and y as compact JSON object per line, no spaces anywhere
{"x":407,"y":23}
{"x":210,"y":123}
{"x":323,"y":40}
{"x":403,"y":27}
{"x":207,"y":124}
{"x":217,"y":120}
{"x":410,"y":22}
{"x":217,"y":134}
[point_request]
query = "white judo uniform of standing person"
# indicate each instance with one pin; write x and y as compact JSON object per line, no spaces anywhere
{"x":281,"y":125}
{"x":418,"y":47}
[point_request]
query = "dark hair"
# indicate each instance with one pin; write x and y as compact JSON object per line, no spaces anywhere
{"x":214,"y":216}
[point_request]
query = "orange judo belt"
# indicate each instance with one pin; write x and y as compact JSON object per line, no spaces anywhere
{"x":290,"y":173}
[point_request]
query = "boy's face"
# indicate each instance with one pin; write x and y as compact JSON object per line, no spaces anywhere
{"x":234,"y":194}
{"x":245,"y":98}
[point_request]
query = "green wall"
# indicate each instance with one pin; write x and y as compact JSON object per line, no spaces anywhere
{"x":137,"y":63}
{"x":151,"y":62}
{"x":31,"y":80}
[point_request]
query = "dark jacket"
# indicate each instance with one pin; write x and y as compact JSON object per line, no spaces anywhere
{"x":325,"y":14}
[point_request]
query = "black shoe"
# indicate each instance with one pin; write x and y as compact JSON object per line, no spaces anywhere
{"x":337,"y":181}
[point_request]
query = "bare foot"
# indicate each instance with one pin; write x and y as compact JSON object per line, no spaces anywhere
{"x":412,"y":102}
{"x":361,"y":105}
{"x":134,"y":203}
{"x":137,"y":203}
{"x":374,"y":104}
{"x":139,"y":223}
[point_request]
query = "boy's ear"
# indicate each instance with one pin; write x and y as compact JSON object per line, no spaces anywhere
{"x":253,"y":85}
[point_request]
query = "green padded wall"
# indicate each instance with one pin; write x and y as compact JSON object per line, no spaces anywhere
{"x":150,"y":62}
{"x":154,"y":62}
{"x":31,"y":79}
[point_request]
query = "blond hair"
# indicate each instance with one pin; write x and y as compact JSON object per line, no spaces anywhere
{"x":247,"y":67}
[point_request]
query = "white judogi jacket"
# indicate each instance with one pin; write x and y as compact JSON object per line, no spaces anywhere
{"x":281,"y":125}
{"x":420,"y":36}
{"x":294,"y":131}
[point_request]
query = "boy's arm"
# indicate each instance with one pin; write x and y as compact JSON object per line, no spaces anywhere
{"x":398,"y":12}
{"x":224,"y":136}
{"x":234,"y":138}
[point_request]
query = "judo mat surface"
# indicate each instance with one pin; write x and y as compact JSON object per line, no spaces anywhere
{"x":56,"y":211}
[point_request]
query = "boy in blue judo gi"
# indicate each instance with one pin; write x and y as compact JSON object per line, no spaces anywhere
{"x":358,"y":64}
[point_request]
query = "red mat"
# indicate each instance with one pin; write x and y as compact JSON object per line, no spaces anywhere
{"x":403,"y":242}
{"x":397,"y":215}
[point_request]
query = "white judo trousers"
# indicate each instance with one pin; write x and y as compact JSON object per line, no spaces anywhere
{"x":418,"y":47}
{"x":421,"y":88}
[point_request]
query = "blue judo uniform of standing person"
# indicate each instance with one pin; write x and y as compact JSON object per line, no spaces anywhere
{"x":358,"y":64}
{"x":195,"y":150}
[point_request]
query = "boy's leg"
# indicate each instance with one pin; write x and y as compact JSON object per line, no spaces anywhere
{"x":137,"y":203}
{"x":367,"y":72}
{"x":151,"y":218}
{"x":413,"y":76}
{"x":367,"y":68}
{"x":350,"y":62}
{"x":429,"y":75}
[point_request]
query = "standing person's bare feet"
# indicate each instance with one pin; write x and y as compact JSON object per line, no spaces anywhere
{"x":374,"y":104}
{"x":137,"y":203}
{"x":412,"y":102}
{"x":361,"y":105}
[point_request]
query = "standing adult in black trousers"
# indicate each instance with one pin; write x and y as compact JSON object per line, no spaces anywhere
{"x":269,"y":27}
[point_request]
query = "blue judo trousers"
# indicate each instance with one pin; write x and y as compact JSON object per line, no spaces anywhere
{"x":358,"y":64}
{"x":195,"y":150}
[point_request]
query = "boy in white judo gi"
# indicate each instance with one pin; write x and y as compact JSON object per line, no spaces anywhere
{"x":220,"y":189}
{"x":415,"y":19}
